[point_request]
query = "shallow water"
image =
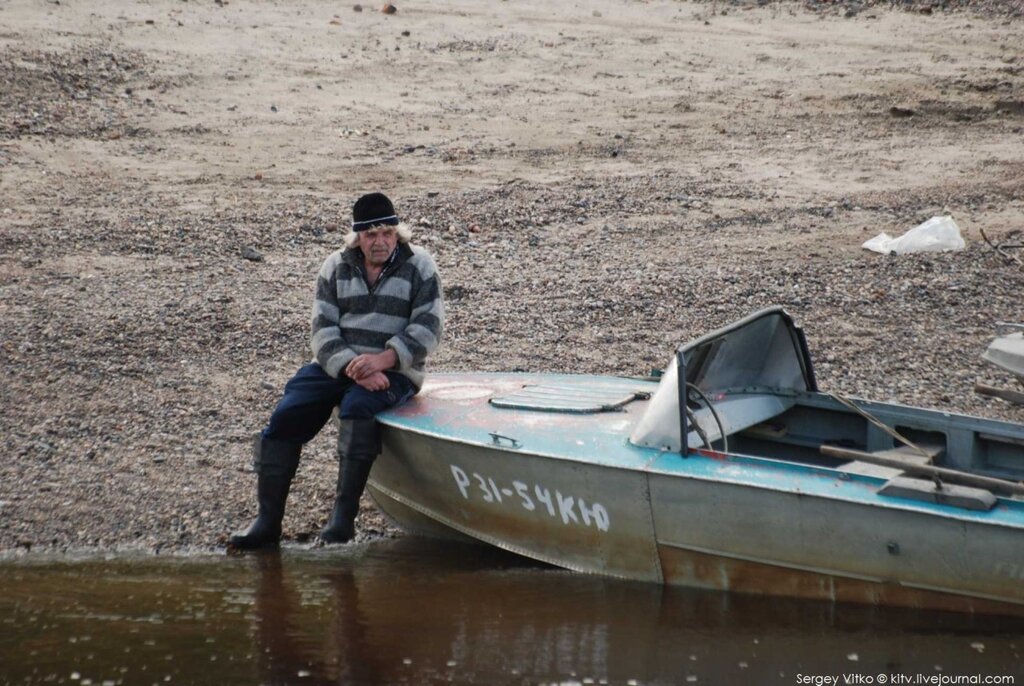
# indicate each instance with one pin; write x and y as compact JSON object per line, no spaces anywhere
{"x":412,"y":611}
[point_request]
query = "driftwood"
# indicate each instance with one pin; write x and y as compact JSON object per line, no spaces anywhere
{"x":1003,"y":393}
{"x":1001,"y":249}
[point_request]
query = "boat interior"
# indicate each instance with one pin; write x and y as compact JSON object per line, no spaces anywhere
{"x":749,"y":389}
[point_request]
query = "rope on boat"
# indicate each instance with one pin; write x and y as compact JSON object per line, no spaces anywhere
{"x":884,"y":427}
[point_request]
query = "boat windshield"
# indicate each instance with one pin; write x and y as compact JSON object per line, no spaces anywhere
{"x":747,"y":369}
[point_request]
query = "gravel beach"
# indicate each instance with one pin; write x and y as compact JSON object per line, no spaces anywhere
{"x":598,"y":181}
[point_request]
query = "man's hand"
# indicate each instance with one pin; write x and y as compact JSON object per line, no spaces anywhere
{"x":369,"y":364}
{"x":377,"y":381}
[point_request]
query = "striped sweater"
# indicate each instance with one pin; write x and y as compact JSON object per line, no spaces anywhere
{"x":404,"y":311}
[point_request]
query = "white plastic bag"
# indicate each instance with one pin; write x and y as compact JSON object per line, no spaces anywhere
{"x":935,"y":235}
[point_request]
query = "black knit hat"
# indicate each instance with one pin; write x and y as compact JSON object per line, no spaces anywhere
{"x":373,"y":209}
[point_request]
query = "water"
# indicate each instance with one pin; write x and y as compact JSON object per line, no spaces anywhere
{"x":412,"y":611}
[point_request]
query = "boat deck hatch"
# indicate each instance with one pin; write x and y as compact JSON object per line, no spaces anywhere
{"x":566,"y":398}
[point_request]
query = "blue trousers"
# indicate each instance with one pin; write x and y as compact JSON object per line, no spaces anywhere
{"x":311,"y":395}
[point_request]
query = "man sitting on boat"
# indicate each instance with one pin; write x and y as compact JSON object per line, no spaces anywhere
{"x":378,"y":313}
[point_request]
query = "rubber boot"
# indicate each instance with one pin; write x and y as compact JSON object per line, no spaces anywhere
{"x":358,"y":447}
{"x":352,"y":476}
{"x":275,"y":464}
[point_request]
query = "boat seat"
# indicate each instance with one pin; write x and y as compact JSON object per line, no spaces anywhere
{"x":967,"y":497}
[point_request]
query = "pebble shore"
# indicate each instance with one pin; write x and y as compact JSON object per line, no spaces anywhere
{"x":149,"y":318}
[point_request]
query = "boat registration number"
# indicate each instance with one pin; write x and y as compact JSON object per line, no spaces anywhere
{"x":571,"y":509}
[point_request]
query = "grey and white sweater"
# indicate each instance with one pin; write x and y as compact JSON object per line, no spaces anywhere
{"x":404,"y":311}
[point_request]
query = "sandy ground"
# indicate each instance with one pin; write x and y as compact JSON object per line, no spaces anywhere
{"x":598,"y":180}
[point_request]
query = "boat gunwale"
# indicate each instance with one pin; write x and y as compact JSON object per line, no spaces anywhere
{"x":817,"y":399}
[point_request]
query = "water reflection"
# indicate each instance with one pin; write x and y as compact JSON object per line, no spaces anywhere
{"x":412,"y":612}
{"x":469,"y":615}
{"x":284,"y":633}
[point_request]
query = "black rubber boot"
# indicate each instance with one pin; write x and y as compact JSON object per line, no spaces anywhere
{"x":275,"y":464}
{"x":352,"y":476}
{"x":358,"y":447}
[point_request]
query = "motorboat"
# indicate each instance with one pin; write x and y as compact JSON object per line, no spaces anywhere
{"x":730,"y":471}
{"x":1006,"y":351}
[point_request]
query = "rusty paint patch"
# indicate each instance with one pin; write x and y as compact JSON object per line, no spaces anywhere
{"x":701,"y":570}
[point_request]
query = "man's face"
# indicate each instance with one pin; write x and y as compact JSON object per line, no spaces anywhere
{"x":378,"y":243}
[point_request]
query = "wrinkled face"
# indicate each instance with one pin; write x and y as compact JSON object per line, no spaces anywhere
{"x":378,"y":243}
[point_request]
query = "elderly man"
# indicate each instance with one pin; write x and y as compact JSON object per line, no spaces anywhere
{"x":377,"y":314}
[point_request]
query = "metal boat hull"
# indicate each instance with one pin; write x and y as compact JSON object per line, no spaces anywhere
{"x":577,"y":494}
